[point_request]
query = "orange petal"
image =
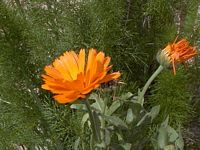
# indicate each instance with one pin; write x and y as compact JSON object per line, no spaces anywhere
{"x":58,"y":86}
{"x":74,"y":56}
{"x":96,"y":83}
{"x":91,"y":57}
{"x":81,"y":61}
{"x":46,"y":87}
{"x":110,"y":77}
{"x":90,"y":66}
{"x":174,"y":67}
{"x":97,"y":67}
{"x":67,"y":97}
{"x":72,"y":64}
{"x":100,"y":57}
{"x":63,"y":68}
{"x":106,"y":62}
{"x":53,"y":72}
{"x":98,"y":71}
{"x":87,"y":90}
{"x":62,"y":99}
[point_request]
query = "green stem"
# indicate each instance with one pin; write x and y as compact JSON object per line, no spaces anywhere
{"x":103,"y":120}
{"x":93,"y":123}
{"x":141,"y":95}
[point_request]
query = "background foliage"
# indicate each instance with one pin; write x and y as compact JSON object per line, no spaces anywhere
{"x":35,"y":32}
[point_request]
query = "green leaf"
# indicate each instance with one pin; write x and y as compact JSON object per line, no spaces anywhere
{"x":172,"y":134}
{"x":154,"y":112}
{"x":136,"y":109}
{"x":169,"y":147}
{"x":76,"y":144}
{"x":97,"y":121}
{"x":78,"y":106}
{"x":101,"y":145}
{"x":83,"y":145}
{"x":91,"y":142}
{"x":95,"y":106}
{"x":114,"y":146}
{"x":107,"y":137}
{"x":130,"y":116}
{"x":126,"y":96}
{"x":115,"y":105}
{"x":165,"y":123}
{"x":162,"y":137}
{"x":179,"y":142}
{"x":99,"y":103}
{"x":93,"y":96}
{"x":140,"y":101}
{"x":142,"y":120}
{"x":84,"y":119}
{"x":116,"y":121}
{"x":154,"y":143}
{"x":119,"y":137}
{"x":126,"y":146}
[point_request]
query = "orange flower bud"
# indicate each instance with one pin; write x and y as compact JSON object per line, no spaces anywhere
{"x":176,"y":53}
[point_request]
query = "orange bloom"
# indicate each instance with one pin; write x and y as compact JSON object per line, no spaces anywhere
{"x":176,"y":53}
{"x":70,"y":78}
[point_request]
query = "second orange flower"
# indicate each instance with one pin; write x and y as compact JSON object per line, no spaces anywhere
{"x":176,"y":53}
{"x":70,"y":77}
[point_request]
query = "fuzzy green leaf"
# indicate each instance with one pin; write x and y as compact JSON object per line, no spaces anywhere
{"x":115,"y":105}
{"x":165,"y":123}
{"x":126,"y":96}
{"x":140,"y":101}
{"x":99,"y":103}
{"x":173,"y":135}
{"x":142,"y":120}
{"x":116,"y":121}
{"x":77,"y":143}
{"x":126,"y":146}
{"x":154,"y":112}
{"x":84,"y":119}
{"x":78,"y":106}
{"x":130,"y":116}
{"x":179,"y":142}
{"x":101,"y":145}
{"x":107,"y":137}
{"x":162,"y":137}
{"x":169,"y":147}
{"x":119,"y":137}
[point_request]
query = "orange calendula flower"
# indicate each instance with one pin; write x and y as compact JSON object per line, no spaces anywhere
{"x":70,"y":77}
{"x":176,"y":53}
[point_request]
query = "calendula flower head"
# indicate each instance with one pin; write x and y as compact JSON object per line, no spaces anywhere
{"x":70,"y":77}
{"x":177,"y":52}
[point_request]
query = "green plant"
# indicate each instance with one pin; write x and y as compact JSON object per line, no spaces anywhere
{"x":172,"y":94}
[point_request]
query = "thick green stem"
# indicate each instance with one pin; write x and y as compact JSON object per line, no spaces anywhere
{"x":141,"y":95}
{"x":93,"y":123}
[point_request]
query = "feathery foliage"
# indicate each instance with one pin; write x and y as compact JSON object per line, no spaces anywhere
{"x":172,"y":94}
